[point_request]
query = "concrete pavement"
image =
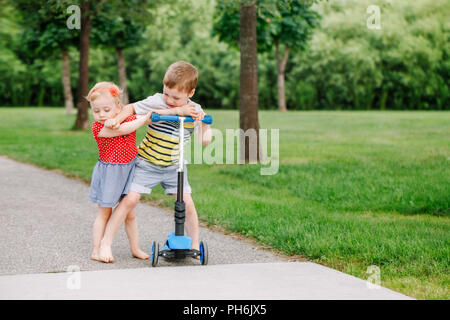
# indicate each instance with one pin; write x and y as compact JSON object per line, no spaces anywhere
{"x":45,"y":239}
{"x":251,"y":281}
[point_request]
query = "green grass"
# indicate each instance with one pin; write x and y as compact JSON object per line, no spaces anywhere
{"x":354,"y":189}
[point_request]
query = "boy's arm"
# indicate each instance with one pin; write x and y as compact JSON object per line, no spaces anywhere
{"x":206,"y":134}
{"x":125,"y":128}
{"x":181,"y":111}
{"x":115,"y":122}
{"x":186,"y":110}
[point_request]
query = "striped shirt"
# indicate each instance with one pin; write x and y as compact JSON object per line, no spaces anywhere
{"x":160,"y":144}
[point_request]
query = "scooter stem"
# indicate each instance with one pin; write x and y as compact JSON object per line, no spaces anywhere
{"x":180,"y":208}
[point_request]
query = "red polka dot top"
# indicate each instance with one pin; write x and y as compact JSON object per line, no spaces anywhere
{"x":121,"y":149}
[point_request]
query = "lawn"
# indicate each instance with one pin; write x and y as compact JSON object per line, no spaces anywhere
{"x":353,"y":189}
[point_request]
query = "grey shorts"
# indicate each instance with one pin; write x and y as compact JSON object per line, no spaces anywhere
{"x":148,"y":175}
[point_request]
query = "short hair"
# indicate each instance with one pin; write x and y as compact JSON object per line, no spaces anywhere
{"x":104,"y":87}
{"x":182,"y":76}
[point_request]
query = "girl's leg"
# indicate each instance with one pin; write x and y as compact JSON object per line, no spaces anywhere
{"x":99,"y":230}
{"x":131,"y":229}
{"x":127,"y":204}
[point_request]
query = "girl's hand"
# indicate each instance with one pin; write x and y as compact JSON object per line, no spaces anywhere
{"x":112,"y":124}
{"x":148,"y":118}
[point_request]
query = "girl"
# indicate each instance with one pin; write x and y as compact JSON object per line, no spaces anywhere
{"x":114,"y":171}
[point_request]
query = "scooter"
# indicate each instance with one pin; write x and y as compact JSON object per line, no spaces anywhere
{"x":178,"y":245}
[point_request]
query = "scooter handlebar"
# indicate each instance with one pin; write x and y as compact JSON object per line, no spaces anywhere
{"x":158,"y":117}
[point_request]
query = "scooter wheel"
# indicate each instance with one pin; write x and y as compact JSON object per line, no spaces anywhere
{"x":203,"y":253}
{"x":155,"y":253}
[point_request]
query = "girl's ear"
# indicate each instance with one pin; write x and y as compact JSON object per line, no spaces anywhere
{"x":191,"y":93}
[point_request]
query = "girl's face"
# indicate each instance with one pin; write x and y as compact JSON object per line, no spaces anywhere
{"x":176,"y":98}
{"x":104,"y":107}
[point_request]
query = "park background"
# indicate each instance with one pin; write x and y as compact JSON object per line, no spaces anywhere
{"x":364,"y":175}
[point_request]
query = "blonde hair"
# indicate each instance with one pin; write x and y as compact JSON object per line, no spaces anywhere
{"x":182,"y":76}
{"x":104,"y":87}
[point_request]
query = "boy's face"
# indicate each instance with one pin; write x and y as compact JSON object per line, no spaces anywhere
{"x":175,"y":98}
{"x":104,"y":108}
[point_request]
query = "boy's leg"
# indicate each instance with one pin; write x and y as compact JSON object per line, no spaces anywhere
{"x":131,"y":229}
{"x":127,"y":204}
{"x":191,"y":222}
{"x":99,"y":230}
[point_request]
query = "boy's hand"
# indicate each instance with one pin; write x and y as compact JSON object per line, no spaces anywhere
{"x":186,"y":110}
{"x":198,"y":115}
{"x":112,"y":124}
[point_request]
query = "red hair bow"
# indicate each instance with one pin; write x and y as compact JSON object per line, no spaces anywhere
{"x":114,"y":92}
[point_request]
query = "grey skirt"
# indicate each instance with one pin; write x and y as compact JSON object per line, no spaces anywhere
{"x":110,"y":182}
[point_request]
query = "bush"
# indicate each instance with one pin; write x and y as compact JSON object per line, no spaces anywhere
{"x":405,"y":65}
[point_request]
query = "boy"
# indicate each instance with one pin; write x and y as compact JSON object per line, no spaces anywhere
{"x":157,"y":161}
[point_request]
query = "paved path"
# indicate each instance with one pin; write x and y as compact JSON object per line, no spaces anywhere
{"x":45,"y":231}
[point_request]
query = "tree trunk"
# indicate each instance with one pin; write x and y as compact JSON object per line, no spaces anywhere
{"x":122,"y":75}
{"x":68,"y":98}
{"x":248,"y":97}
{"x":281,"y":68}
{"x":83,"y":80}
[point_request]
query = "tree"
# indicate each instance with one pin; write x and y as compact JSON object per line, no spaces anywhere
{"x":237,"y":25}
{"x":87,"y":15}
{"x":292,"y":31}
{"x":285,"y":25}
{"x":248,"y":99}
{"x":121,"y":25}
{"x":405,"y":65}
{"x":133,"y":10}
{"x":45,"y":34}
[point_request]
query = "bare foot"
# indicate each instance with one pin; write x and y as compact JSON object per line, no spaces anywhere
{"x":105,"y":254}
{"x":95,"y":256}
{"x":138,"y":253}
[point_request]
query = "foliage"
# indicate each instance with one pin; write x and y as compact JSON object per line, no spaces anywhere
{"x":289,"y":22}
{"x":182,"y":33}
{"x":44,"y":30}
{"x":405,"y":65}
{"x":121,"y":23}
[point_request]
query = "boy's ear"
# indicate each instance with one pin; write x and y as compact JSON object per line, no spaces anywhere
{"x":191,"y":93}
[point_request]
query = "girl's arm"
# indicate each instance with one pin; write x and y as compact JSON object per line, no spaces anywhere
{"x":125,"y":128}
{"x":115,"y":122}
